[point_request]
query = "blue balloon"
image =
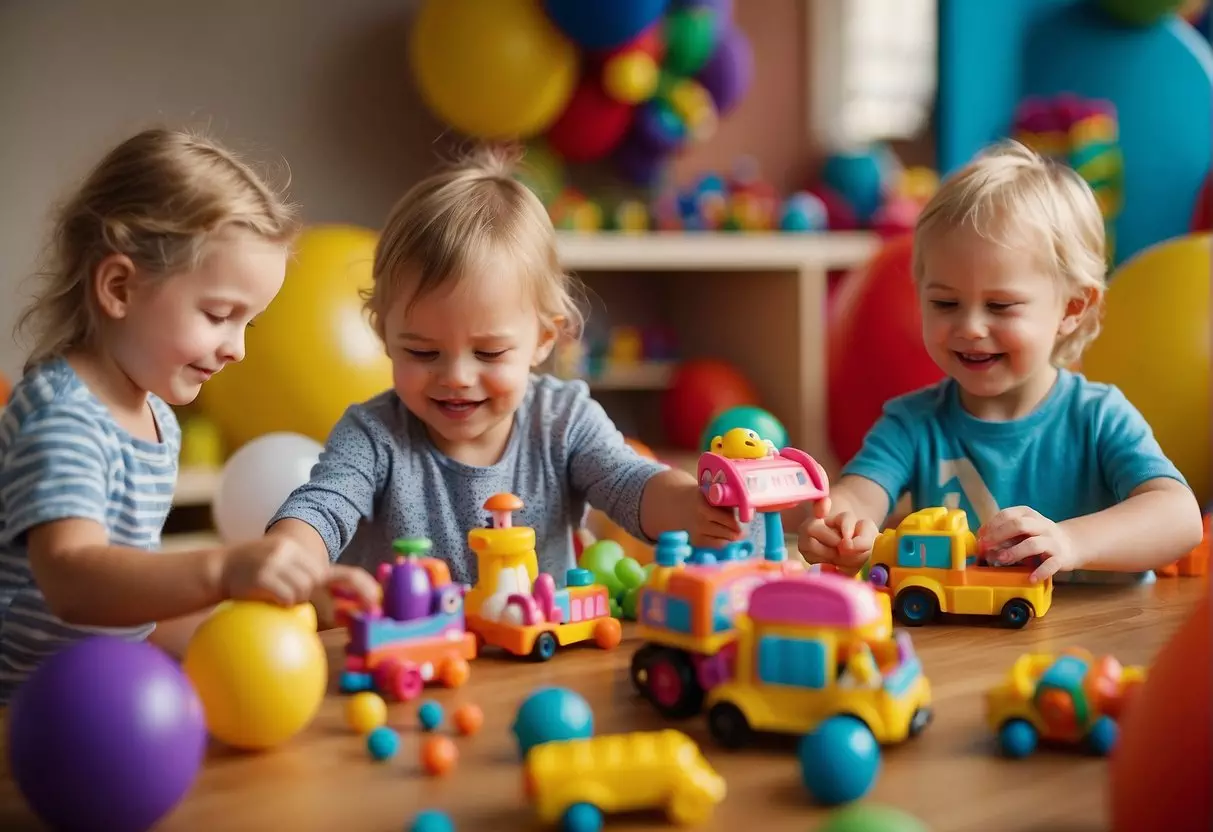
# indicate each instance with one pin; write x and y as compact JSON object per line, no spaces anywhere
{"x":603,"y":24}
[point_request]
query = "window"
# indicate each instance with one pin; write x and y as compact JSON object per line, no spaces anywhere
{"x":872,"y":69}
{"x":791,"y":661}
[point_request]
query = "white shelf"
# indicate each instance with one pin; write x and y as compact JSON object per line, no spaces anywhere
{"x":716,"y":251}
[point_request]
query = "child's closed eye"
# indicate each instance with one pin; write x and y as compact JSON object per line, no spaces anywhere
{"x":943,"y":304}
{"x":491,"y":355}
{"x":422,"y":355}
{"x":1001,"y":306}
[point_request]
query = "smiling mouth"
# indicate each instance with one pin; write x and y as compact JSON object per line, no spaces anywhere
{"x":457,"y":407}
{"x":978,"y":360}
{"x":203,"y":370}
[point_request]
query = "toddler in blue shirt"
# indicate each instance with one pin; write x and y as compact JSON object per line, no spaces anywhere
{"x":1009,"y":262}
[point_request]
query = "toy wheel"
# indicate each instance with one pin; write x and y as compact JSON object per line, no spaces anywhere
{"x":355,"y":682}
{"x":608,"y":632}
{"x":1017,"y":738}
{"x":920,"y":720}
{"x":1102,"y":737}
{"x":672,"y":685}
{"x":401,"y":680}
{"x":916,"y":607}
{"x":545,"y":647}
{"x":1016,"y":613}
{"x":878,"y":575}
{"x":581,"y":817}
{"x":729,"y":726}
{"x":640,"y":669}
{"x":454,"y":672}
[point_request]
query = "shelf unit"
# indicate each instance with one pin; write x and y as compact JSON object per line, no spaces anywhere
{"x":754,"y":300}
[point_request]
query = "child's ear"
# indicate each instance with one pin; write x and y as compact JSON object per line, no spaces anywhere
{"x":1076,"y":308}
{"x":548,"y":334}
{"x":113,"y":282}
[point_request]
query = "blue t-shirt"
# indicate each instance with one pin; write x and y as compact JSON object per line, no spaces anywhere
{"x":380,"y":478}
{"x":1082,"y":450}
{"x":62,"y":456}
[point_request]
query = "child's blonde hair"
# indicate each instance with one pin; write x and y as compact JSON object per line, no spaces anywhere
{"x":158,"y":197}
{"x":470,"y":218}
{"x":1014,"y":197}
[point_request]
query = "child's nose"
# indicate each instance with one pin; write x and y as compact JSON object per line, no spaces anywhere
{"x":972,"y":326}
{"x":458,"y":373}
{"x":232,"y":349}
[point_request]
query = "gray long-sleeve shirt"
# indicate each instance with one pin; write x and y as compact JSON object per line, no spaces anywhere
{"x":381,"y":478}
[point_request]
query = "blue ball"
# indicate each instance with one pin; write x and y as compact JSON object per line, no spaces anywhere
{"x":839,"y":761}
{"x":383,"y":743}
{"x":804,"y":212}
{"x":859,"y":178}
{"x":552,"y":714}
{"x":581,"y":817}
{"x":430,"y":714}
{"x":354,"y":682}
{"x":431,"y":820}
{"x":603,"y":24}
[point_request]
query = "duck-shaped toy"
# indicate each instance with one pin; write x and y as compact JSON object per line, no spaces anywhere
{"x":742,"y":443}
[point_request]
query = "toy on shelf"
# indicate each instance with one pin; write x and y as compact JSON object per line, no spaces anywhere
{"x":515,"y":607}
{"x":1193,"y":564}
{"x":622,"y":358}
{"x":869,"y":188}
{"x":742,"y":200}
{"x":929,"y":565}
{"x":577,"y":781}
{"x":813,"y":647}
{"x":419,"y":634}
{"x":1073,"y":698}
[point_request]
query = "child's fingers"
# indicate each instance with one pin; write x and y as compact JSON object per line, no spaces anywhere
{"x":1047,"y":569}
{"x":821,"y":508}
{"x":704,"y":539}
{"x":845,"y":524}
{"x":355,"y":580}
{"x":1024,"y":548}
{"x":815,"y":552}
{"x":865,"y":535}
{"x":823,"y":533}
{"x":723,"y":517}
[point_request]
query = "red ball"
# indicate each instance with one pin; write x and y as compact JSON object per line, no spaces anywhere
{"x":700,"y":389}
{"x":1160,"y":768}
{"x":840,"y":216}
{"x":875,"y":345}
{"x":1202,"y":216}
{"x":591,"y":125}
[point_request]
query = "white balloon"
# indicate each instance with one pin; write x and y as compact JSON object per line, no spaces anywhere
{"x":256,"y":481}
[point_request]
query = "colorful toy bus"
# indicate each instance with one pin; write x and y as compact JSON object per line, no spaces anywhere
{"x":1069,"y":699}
{"x":515,"y":607}
{"x":815,"y":646}
{"x":929,"y":565}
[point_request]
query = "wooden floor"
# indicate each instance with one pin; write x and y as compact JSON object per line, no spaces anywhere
{"x":949,"y":776}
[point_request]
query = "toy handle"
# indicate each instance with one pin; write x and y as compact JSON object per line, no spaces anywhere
{"x":719,"y":493}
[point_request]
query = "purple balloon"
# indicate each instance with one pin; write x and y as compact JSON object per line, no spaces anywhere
{"x":638,"y":162}
{"x":728,"y":73}
{"x":106,"y":734}
{"x":658,"y":128}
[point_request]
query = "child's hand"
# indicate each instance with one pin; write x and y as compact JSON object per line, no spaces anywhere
{"x":1015,"y":534}
{"x":708,"y":526}
{"x":843,"y":540}
{"x":281,"y":570}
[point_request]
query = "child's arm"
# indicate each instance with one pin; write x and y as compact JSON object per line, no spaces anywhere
{"x":323,"y":514}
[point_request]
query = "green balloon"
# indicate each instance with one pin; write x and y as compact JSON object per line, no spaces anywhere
{"x":1140,"y":12}
{"x":630,"y":599}
{"x":744,"y":416}
{"x":868,"y":817}
{"x":690,"y":38}
{"x":629,"y":572}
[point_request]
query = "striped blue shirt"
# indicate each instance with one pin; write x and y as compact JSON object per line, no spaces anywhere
{"x":63,"y":456}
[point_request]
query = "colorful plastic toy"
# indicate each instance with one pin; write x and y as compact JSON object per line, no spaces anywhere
{"x":430,"y":715}
{"x":514,"y":607}
{"x":468,"y":719}
{"x":552,"y":715}
{"x":383,"y":743}
{"x":929,"y":565}
{"x":839,"y":760}
{"x":438,"y":754}
{"x":812,"y":647}
{"x":432,"y":820}
{"x":576,"y":782}
{"x":418,"y":636}
{"x":1069,"y":699}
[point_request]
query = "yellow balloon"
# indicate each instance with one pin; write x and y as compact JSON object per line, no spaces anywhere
{"x":260,"y":671}
{"x":1155,"y":347}
{"x":493,"y":69}
{"x":631,"y":77}
{"x":312,"y":353}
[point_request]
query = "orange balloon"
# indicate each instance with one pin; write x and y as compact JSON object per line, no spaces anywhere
{"x":1160,"y":770}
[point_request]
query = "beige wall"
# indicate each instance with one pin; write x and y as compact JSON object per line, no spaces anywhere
{"x":321,"y":84}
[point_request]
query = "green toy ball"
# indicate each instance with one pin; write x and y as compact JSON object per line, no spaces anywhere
{"x":868,"y":817}
{"x":601,"y":558}
{"x":745,"y":416}
{"x":1140,"y":12}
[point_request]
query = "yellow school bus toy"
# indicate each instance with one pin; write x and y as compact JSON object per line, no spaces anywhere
{"x":575,"y":782}
{"x":929,"y":565}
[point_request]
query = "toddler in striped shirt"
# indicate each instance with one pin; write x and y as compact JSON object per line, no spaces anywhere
{"x":163,"y":257}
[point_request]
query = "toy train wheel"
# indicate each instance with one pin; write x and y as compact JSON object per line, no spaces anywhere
{"x":545,"y":647}
{"x":1017,"y":738}
{"x":399,"y":679}
{"x":916,"y":607}
{"x":670,"y":683}
{"x":729,"y":726}
{"x":1101,"y":739}
{"x":920,"y":720}
{"x":582,"y":817}
{"x":878,"y":575}
{"x":454,"y":672}
{"x":1016,"y":613}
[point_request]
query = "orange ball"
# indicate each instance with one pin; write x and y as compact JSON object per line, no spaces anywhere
{"x":1160,"y":768}
{"x":468,"y":719}
{"x":438,"y":755}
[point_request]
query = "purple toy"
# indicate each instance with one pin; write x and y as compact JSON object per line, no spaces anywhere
{"x":728,"y":73}
{"x":107,"y":734}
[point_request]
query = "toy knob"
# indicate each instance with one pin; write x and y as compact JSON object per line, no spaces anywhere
{"x":413,"y":546}
{"x":579,"y":577}
{"x":718,"y":493}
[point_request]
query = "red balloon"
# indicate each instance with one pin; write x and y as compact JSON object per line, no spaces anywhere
{"x":591,"y":125}
{"x":699,"y":389}
{"x":1160,"y":768}
{"x":875,"y":345}
{"x":1202,"y":216}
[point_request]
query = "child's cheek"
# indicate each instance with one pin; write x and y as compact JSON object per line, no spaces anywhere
{"x":505,"y":379}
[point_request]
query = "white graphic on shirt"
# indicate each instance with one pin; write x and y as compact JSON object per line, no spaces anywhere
{"x":973,"y":486}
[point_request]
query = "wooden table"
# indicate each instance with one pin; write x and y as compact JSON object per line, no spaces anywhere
{"x":949,"y":776}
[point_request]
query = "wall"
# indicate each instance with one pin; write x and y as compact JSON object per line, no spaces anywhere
{"x":320,"y":84}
